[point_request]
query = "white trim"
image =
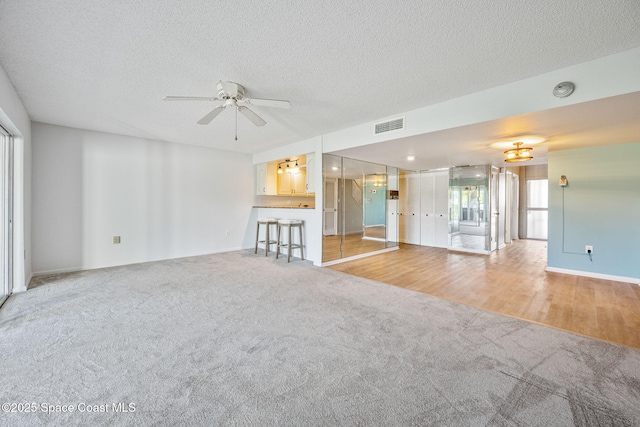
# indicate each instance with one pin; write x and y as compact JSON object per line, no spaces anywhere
{"x":87,"y":268}
{"x":634,"y":280}
{"x":470,"y":251}
{"x":27,"y":283}
{"x":351,"y":258}
{"x":64,"y":270}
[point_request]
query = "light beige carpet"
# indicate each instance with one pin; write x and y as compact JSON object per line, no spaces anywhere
{"x":240,"y":339}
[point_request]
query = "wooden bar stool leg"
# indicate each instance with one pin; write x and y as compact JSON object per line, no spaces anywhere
{"x":289,"y":248}
{"x":278,"y":241}
{"x":301,"y":252}
{"x":257,"y":237}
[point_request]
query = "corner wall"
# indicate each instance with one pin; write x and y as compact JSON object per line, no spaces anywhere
{"x":600,"y":207}
{"x":165,"y":200}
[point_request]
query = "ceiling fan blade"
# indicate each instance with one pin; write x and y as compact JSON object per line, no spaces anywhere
{"x":255,"y":119}
{"x":189,"y":98}
{"x":229,"y":88}
{"x":212,"y":115}
{"x":278,"y":103}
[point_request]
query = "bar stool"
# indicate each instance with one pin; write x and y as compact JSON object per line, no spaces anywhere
{"x":289,"y":224}
{"x":268,"y":222}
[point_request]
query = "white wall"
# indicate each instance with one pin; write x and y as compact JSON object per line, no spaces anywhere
{"x":165,"y":200}
{"x":14,"y":117}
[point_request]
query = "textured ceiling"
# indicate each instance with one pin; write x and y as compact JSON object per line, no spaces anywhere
{"x":105,"y":65}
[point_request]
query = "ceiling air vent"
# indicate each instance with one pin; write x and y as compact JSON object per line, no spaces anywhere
{"x":394,"y":124}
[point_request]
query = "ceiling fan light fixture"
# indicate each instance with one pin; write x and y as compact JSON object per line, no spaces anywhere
{"x":518,"y":154}
{"x":232,"y":95}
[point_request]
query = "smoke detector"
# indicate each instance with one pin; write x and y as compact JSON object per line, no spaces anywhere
{"x":564,"y":89}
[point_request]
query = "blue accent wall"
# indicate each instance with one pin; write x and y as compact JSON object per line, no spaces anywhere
{"x":600,"y":207}
{"x":375,"y":203}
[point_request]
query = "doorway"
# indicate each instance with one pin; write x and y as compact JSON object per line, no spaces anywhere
{"x":472,"y":202}
{"x":537,"y":208}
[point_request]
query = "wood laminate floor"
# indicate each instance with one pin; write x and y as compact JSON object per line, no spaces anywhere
{"x":513,"y":282}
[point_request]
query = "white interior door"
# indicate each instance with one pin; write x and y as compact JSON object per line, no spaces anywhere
{"x":409,"y":208}
{"x":495,"y":213}
{"x":392,"y":221}
{"x":330,"y":209}
{"x":441,"y":209}
{"x":427,"y":209}
{"x":515,"y":206}
{"x":502,"y":209}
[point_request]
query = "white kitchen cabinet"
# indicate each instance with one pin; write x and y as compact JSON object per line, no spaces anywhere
{"x":293,"y":184}
{"x":434,"y":209}
{"x":266,"y":179}
{"x":311,"y":173}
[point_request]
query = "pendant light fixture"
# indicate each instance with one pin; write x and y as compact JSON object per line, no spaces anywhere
{"x":518,"y":154}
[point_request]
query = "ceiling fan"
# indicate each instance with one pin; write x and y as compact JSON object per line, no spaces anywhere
{"x":232,"y":95}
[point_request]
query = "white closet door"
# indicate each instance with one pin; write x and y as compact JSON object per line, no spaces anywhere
{"x":409,"y":215}
{"x":441,"y":208}
{"x":427,"y":209}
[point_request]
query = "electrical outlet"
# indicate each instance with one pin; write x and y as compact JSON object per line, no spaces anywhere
{"x":116,"y":240}
{"x":588,"y":249}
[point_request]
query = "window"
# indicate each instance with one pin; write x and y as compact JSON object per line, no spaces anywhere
{"x":537,"y":208}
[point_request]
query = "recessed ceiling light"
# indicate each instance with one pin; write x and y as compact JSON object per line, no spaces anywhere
{"x":411,"y":157}
{"x":335,"y":168}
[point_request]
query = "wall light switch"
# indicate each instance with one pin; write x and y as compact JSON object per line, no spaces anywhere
{"x":116,"y":240}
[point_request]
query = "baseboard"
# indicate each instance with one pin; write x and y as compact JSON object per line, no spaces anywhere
{"x":468,"y":251}
{"x":351,"y":258}
{"x":87,"y":268}
{"x":634,"y":280}
{"x":25,"y":286}
{"x":61,"y":271}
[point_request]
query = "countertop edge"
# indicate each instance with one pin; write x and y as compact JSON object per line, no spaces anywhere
{"x":281,"y":207}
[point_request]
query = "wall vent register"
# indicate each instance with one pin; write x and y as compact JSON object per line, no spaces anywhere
{"x":389,"y":126}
